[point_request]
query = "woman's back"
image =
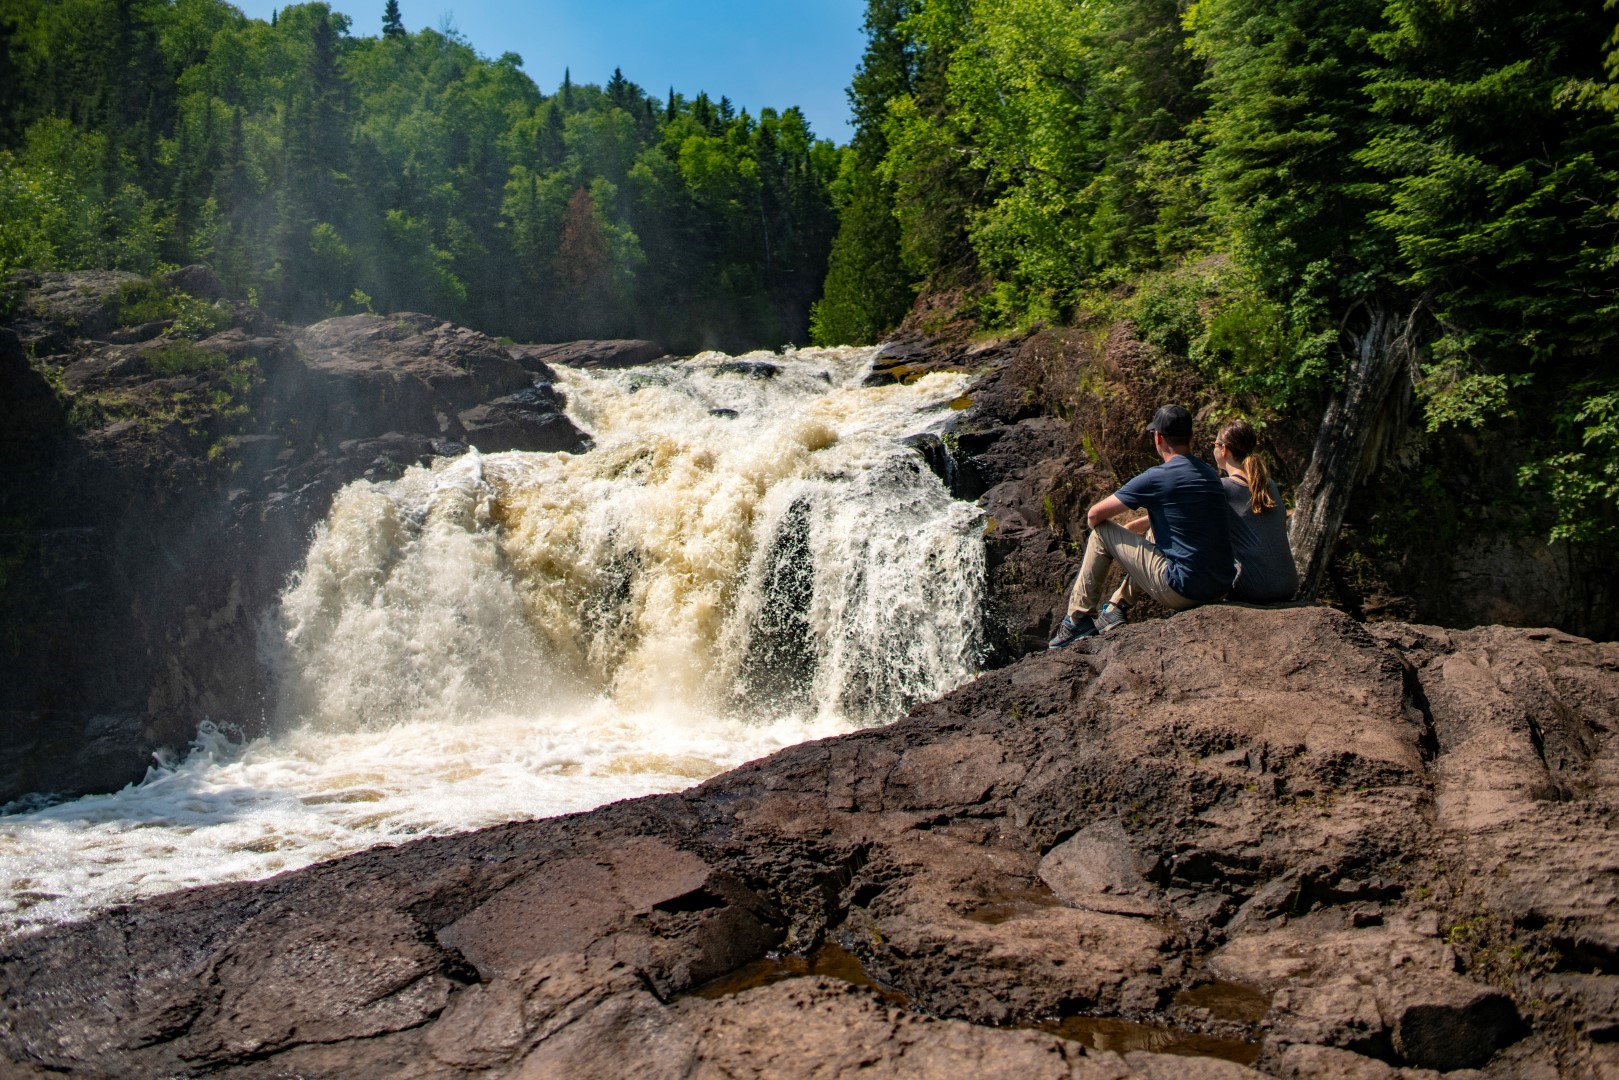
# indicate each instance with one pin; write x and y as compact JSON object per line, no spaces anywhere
{"x":1259,"y":541}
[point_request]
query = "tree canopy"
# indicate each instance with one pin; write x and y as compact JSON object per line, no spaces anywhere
{"x":1247,"y":179}
{"x":326,"y":172}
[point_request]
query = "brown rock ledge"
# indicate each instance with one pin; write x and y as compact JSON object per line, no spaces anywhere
{"x":1322,"y":849}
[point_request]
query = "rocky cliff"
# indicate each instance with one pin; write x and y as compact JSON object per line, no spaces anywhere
{"x":1442,"y":533}
{"x":166,"y":454}
{"x":1232,"y":843}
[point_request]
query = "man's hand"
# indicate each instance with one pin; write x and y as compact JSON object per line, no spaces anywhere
{"x":1109,"y":507}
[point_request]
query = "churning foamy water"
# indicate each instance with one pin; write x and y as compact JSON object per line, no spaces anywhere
{"x":748,"y":558}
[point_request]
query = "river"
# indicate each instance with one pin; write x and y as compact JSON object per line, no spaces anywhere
{"x":749,"y":557}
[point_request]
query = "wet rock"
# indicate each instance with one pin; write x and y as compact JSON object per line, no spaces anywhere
{"x":448,"y":448}
{"x":965,"y":858}
{"x":748,"y":369}
{"x":150,"y":516}
{"x":954,"y":468}
{"x":909,"y":356}
{"x":531,"y":419}
{"x":618,"y":353}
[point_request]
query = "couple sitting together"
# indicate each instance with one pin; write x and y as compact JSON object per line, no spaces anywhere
{"x":1203,"y":538}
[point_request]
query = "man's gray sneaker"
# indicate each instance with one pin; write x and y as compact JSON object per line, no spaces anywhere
{"x":1109,"y":617}
{"x":1071,"y":630}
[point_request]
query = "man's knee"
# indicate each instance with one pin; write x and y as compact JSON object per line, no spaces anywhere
{"x":1108,"y":535}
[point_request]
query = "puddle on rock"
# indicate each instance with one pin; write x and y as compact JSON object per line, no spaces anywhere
{"x":995,"y":910}
{"x":830,"y":960}
{"x":1226,"y":1001}
{"x":1123,"y":1036}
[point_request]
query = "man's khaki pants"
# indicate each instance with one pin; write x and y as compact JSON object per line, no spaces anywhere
{"x":1145,"y":571}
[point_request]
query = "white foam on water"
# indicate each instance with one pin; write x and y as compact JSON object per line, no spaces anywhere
{"x":747,"y":558}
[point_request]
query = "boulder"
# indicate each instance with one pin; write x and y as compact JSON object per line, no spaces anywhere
{"x":195,"y":280}
{"x":1095,"y":869}
{"x":616,"y":353}
{"x":531,"y":419}
{"x":955,"y":469}
{"x":403,"y":372}
{"x":748,"y":369}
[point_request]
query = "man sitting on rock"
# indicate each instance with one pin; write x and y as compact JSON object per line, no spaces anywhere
{"x":1185,"y":560}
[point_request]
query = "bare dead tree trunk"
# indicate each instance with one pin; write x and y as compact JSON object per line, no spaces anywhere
{"x":1346,"y":450}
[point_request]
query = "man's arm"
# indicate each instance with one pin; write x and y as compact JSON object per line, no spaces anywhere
{"x":1109,"y":507}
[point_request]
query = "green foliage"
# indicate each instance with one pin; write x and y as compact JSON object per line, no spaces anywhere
{"x":57,"y":210}
{"x":147,"y":301}
{"x":140,"y":302}
{"x":305,"y":164}
{"x":1250,"y":347}
{"x":182,"y":358}
{"x":1583,"y":485}
{"x":1244,"y":179}
{"x":1497,"y":196}
{"x":867,"y":291}
{"x":393,"y":26}
{"x":1286,"y":115}
{"x":1454,"y":394}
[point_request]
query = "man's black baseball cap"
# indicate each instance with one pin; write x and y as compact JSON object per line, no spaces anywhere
{"x":1172,"y":422}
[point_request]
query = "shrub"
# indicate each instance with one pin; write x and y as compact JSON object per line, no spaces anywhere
{"x":147,"y":301}
{"x":183,"y":358}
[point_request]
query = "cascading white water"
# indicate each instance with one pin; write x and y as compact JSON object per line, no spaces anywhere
{"x":747,"y":558}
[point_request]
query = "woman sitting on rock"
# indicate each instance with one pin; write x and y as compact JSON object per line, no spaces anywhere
{"x":1259,"y":521}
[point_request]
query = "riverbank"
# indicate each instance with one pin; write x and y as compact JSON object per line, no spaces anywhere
{"x":1308,"y":846}
{"x":170,"y":452}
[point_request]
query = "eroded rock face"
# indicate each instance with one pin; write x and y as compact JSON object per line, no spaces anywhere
{"x":531,"y":419}
{"x":404,"y":372}
{"x":1316,"y":849}
{"x":1055,"y":421}
{"x":158,"y":490}
{"x":615,"y":353}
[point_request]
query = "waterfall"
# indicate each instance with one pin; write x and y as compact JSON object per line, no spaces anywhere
{"x":748,"y":557}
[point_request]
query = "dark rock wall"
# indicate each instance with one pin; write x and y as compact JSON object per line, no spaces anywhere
{"x":150,"y":517}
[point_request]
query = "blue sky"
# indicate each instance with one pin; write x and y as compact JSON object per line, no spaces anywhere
{"x":756,"y":53}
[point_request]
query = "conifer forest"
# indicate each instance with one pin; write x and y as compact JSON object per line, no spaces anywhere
{"x":1261,"y":186}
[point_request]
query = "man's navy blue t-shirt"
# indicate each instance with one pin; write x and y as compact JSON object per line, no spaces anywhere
{"x":1186,"y":504}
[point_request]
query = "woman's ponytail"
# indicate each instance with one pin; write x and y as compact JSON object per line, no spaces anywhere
{"x":1241,"y":441}
{"x":1258,"y":474}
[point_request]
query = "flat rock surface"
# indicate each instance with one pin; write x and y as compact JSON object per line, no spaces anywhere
{"x":614,"y":353}
{"x":1234,"y":843}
